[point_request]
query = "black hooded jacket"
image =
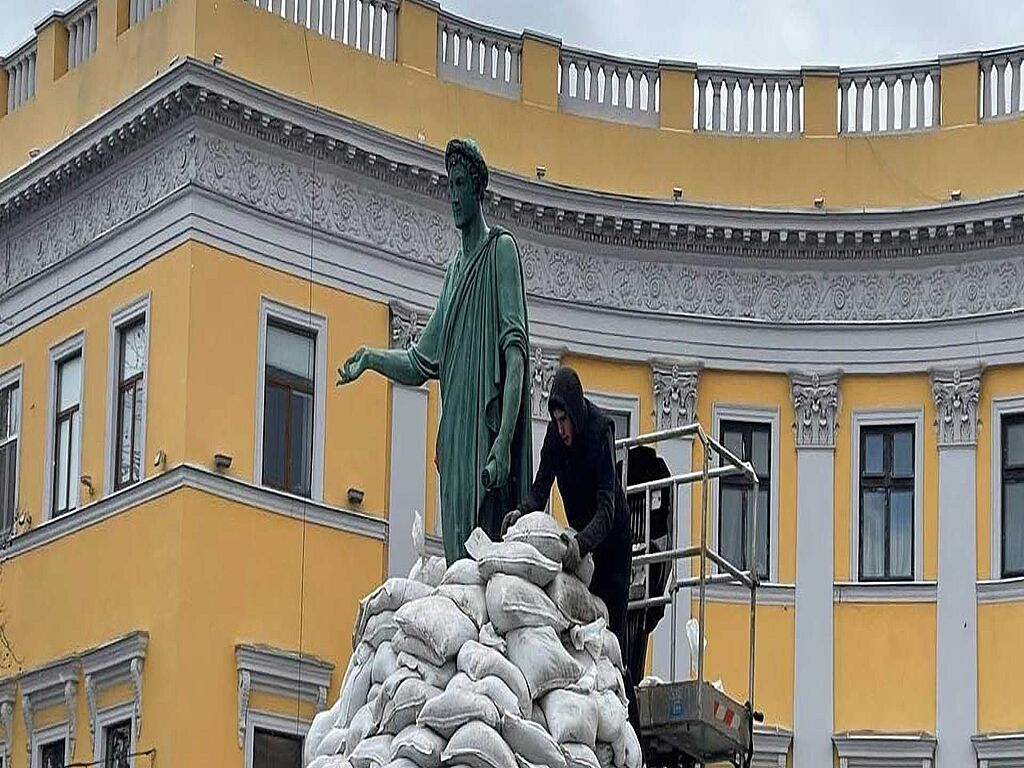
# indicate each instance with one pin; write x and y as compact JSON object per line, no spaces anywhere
{"x":595,"y":504}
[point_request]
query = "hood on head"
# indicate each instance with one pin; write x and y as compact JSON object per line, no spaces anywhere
{"x":567,"y":394}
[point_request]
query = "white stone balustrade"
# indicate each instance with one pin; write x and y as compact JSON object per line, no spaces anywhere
{"x":81,"y":25}
{"x":478,"y":56}
{"x":140,"y":9}
{"x":366,"y":25}
{"x":608,"y":87}
{"x":1002,"y":78}
{"x":749,"y":102}
{"x":21,"y":75}
{"x":889,"y":99}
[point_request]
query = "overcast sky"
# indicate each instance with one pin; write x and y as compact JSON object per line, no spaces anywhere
{"x":746,"y":33}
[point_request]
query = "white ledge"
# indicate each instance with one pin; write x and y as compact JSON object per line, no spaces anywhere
{"x":767,"y":593}
{"x":885,"y":592}
{"x":866,"y":749}
{"x":771,"y":746}
{"x":999,"y":749}
{"x":1001,"y":590}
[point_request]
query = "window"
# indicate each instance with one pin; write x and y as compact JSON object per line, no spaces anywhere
{"x":117,"y":744}
{"x":130,"y":404}
{"x":887,"y":487}
{"x":288,"y":409}
{"x":10,"y":420}
{"x":1012,"y":479}
{"x":67,"y":433}
{"x":276,"y":750}
{"x":750,"y":441}
{"x":51,"y":754}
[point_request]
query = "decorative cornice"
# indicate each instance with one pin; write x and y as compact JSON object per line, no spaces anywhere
{"x":885,"y":592}
{"x":544,"y":362}
{"x":816,"y":403}
{"x":54,"y":683}
{"x":407,"y":325}
{"x":771,"y":746}
{"x":1000,"y":590}
{"x":108,"y":665}
{"x":873,"y":749}
{"x":275,"y":671}
{"x":674,"y":389}
{"x":7,"y":698}
{"x":956,"y":406}
{"x":767,"y":593}
{"x":999,"y":749}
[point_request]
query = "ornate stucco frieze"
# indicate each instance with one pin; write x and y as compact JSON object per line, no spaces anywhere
{"x":956,"y":394}
{"x":543,"y":364}
{"x":675,"y":394}
{"x":407,"y":325}
{"x":816,"y":403}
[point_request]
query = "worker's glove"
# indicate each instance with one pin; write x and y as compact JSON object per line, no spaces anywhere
{"x":571,"y":559}
{"x":509,"y":520}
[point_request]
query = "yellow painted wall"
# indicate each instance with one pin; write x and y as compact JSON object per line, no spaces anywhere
{"x":879,"y":393}
{"x":885,"y":667}
{"x":1000,"y":629}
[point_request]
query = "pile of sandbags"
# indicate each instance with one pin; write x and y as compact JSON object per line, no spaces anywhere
{"x":500,"y":661}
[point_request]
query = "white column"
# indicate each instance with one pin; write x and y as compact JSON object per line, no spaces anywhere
{"x":675,"y":405}
{"x":956,"y":643}
{"x":408,"y":467}
{"x":544,"y":362}
{"x":816,"y":402}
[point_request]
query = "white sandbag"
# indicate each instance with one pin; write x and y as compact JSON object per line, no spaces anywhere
{"x":479,"y":661}
{"x":390,"y":686}
{"x":379,"y":629}
{"x":333,"y":743}
{"x":322,"y":724}
{"x":428,"y":571}
{"x":601,"y":607}
{"x":634,"y":758}
{"x":420,"y":746}
{"x":465,"y":571}
{"x":573,"y":599}
{"x":357,"y":686}
{"x":571,"y":717}
{"x":375,"y":690}
{"x":611,"y":716}
{"x":492,"y":687}
{"x":611,"y":650}
{"x":585,"y":572}
{"x":478,"y":544}
{"x":517,"y":558}
{"x":389,"y":596}
{"x":437,"y":675}
{"x":490,"y":638}
{"x":580,"y":756}
{"x":329,"y":761}
{"x":589,"y":637}
{"x":478,"y":745}
{"x":530,"y":741}
{"x":470,"y":598}
{"x":545,"y":664}
{"x":364,"y":725}
{"x":514,"y":602}
{"x":537,"y":716}
{"x":385,"y":662}
{"x":605,"y":755}
{"x":403,"y":644}
{"x":402,"y":762}
{"x":446,"y":713}
{"x":542,"y":531}
{"x":374,"y":752}
{"x":402,"y":711}
{"x":438,"y":623}
{"x":610,"y":679}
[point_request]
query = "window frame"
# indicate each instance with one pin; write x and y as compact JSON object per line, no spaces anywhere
{"x":108,"y":717}
{"x":59,"y":353}
{"x":1005,"y":410}
{"x":13,"y":377}
{"x":762,"y":415}
{"x":737,"y":481}
{"x":272,"y":311}
{"x":41,"y":737}
{"x":888,"y":483}
{"x":274,"y":722}
{"x":121,"y":319}
{"x":618,"y":402}
{"x":860,"y":419}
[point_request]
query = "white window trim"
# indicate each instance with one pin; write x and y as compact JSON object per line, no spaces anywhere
{"x":760,"y":415}
{"x":14,"y":376}
{"x":41,"y":736}
{"x":1001,"y":406}
{"x":317,"y":324}
{"x":109,"y":716}
{"x":860,"y":419}
{"x":118,"y":321}
{"x":268,"y":721}
{"x":620,"y":402}
{"x":58,"y":353}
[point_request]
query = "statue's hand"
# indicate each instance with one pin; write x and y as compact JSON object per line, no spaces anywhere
{"x":496,"y":468}
{"x":354,"y":367}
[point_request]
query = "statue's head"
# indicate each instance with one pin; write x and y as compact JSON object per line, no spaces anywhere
{"x":467,"y":179}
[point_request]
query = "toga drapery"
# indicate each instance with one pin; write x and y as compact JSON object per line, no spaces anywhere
{"x":480,"y":313}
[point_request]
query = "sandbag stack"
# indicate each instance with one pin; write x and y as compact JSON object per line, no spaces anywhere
{"x":500,"y":661}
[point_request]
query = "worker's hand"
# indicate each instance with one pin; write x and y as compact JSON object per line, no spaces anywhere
{"x":496,"y":467}
{"x":509,"y":520}
{"x":572,"y":558}
{"x":354,"y":367}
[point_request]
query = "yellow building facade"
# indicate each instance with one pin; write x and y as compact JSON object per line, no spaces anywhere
{"x":205,"y":206}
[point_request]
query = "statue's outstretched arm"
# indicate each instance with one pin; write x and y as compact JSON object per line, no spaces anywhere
{"x":411,"y":367}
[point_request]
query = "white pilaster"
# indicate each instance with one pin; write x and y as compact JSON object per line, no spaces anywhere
{"x":544,"y":362}
{"x":956,"y":652}
{"x":816,"y":402}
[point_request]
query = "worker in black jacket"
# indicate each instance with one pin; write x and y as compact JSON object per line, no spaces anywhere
{"x":579,"y":451}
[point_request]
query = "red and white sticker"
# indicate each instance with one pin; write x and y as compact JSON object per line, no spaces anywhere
{"x":723,"y":714}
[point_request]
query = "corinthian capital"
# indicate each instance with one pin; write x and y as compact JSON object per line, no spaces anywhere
{"x":956,"y":395}
{"x":816,"y":402}
{"x":543,"y":364}
{"x":407,"y":325}
{"x":675,"y":393}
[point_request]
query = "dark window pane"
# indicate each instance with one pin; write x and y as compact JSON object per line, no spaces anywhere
{"x":275,"y":416}
{"x":872,"y":535}
{"x":1013,"y":444}
{"x":276,"y":750}
{"x":52,"y":755}
{"x":117,"y":744}
{"x":9,"y":415}
{"x":732,"y":439}
{"x":300,"y":451}
{"x":8,"y":480}
{"x":901,"y":534}
{"x":874,"y":443}
{"x":762,"y":532}
{"x":730,"y":529}
{"x":63,"y":465}
{"x":126,"y":419}
{"x":903,"y":453}
{"x":1013,"y":528}
{"x":760,"y":452}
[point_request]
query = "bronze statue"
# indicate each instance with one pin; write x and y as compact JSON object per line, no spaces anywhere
{"x":476,"y":344}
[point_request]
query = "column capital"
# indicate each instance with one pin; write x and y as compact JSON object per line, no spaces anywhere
{"x":407,"y":324}
{"x":543,"y":364}
{"x":816,"y":402}
{"x":956,"y":394}
{"x":674,"y":389}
